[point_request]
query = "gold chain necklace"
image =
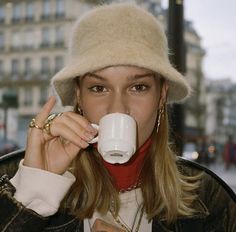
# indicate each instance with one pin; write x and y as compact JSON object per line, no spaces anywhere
{"x":125,"y":227}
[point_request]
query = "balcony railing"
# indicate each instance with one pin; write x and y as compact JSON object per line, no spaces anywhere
{"x":45,"y":45}
{"x":17,"y":20}
{"x":29,"y":18}
{"x":21,"y":78}
{"x":59,"y":15}
{"x":46,"y":17}
{"x":55,"y":16}
{"x":58,"y":44}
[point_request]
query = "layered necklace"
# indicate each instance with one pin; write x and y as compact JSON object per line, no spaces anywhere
{"x":138,"y":215}
{"x":138,"y":218}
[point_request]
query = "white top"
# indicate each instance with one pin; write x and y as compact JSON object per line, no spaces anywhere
{"x":131,"y":205}
{"x":42,"y":191}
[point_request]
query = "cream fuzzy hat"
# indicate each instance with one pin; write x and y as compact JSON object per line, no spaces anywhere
{"x":117,"y":34}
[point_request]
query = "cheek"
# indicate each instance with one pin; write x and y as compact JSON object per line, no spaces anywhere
{"x":92,"y":110}
{"x":145,"y":115}
{"x":146,"y":119}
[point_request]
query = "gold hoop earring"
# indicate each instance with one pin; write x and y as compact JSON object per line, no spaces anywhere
{"x":161,"y":113}
{"x":79,"y":110}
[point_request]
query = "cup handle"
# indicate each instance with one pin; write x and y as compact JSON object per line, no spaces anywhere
{"x":95,"y":139}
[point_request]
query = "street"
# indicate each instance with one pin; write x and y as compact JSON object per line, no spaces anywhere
{"x":229,"y":176}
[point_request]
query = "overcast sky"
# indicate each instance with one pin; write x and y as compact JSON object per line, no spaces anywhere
{"x":215,"y":22}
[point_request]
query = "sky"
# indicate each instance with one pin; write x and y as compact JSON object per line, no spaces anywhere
{"x":215,"y":22}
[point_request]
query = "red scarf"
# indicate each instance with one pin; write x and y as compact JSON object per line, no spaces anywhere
{"x":127,"y":175}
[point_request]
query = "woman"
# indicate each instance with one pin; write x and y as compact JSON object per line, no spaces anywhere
{"x":118,"y":62}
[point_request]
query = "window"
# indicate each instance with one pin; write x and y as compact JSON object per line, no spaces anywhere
{"x":28,"y":97}
{"x":16,"y":40}
{"x":16,"y":12}
{"x":46,"y":9}
{"x":60,"y":8}
{"x":1,"y":70}
{"x":15,"y":65}
{"x":30,"y":11}
{"x":59,"y":36}
{"x":1,"y":41}
{"x":28,"y":70}
{"x":29,"y":39}
{"x":59,"y":62}
{"x":45,"y":37}
{"x":45,"y":67}
{"x":2,"y":14}
{"x":43,"y":95}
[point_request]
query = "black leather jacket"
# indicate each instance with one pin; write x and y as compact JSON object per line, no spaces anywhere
{"x":215,"y":206}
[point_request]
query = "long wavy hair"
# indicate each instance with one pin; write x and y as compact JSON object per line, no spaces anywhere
{"x":167,"y":193}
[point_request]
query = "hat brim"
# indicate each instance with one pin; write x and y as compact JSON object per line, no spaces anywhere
{"x":64,"y":84}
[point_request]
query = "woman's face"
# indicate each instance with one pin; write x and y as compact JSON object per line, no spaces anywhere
{"x":123,"y":89}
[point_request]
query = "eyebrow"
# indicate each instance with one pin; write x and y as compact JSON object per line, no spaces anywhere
{"x":137,"y":76}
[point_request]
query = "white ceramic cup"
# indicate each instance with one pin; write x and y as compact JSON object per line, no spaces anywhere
{"x":116,"y":137}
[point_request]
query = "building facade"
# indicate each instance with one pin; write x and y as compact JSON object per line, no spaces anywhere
{"x":33,"y":41}
{"x":221,"y":110}
{"x":32,"y":49}
{"x":195,"y":107}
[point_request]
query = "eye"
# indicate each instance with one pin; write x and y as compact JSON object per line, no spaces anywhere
{"x":97,"y":89}
{"x":139,"y":88}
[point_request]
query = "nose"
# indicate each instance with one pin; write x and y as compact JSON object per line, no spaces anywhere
{"x":118,"y":104}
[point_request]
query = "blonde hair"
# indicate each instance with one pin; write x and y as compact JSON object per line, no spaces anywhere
{"x":166,"y":192}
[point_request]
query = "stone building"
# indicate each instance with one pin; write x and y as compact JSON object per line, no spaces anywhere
{"x":32,"y":49}
{"x":221,"y":110}
{"x":196,"y":105}
{"x":33,"y":41}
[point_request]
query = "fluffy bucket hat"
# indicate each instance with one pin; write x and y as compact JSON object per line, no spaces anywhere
{"x":117,"y":34}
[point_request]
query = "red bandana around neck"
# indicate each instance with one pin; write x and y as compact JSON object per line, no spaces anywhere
{"x":127,"y":174}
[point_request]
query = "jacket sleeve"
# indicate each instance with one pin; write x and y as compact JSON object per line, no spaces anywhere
{"x":221,"y":203}
{"x":13,"y":215}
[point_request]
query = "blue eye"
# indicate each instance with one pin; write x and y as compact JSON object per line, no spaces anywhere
{"x":97,"y":89}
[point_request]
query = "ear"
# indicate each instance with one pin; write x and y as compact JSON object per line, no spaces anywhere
{"x":164,"y":93}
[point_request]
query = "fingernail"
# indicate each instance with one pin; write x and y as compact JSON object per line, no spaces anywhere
{"x":84,"y":144}
{"x":88,"y":136}
{"x":91,"y":129}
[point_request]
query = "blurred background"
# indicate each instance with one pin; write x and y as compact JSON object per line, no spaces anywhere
{"x":33,"y":42}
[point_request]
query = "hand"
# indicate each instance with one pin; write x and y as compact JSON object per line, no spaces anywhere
{"x":102,"y":226}
{"x":48,"y":151}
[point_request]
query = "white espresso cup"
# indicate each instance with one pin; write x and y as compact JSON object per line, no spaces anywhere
{"x":116,"y":137}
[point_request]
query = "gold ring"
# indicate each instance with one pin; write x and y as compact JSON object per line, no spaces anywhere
{"x":33,"y":124}
{"x":47,"y":125}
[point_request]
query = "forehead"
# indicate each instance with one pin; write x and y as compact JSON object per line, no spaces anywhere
{"x":123,"y":70}
{"x":121,"y":73}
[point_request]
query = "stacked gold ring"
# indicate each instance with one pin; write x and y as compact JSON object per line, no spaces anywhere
{"x":47,"y":124}
{"x":33,"y":124}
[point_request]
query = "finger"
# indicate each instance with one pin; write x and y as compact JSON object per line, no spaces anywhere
{"x":62,"y":130}
{"x":82,"y":121}
{"x":75,"y":125}
{"x":47,"y":108}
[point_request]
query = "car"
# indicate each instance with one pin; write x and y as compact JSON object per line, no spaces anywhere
{"x":190,"y":151}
